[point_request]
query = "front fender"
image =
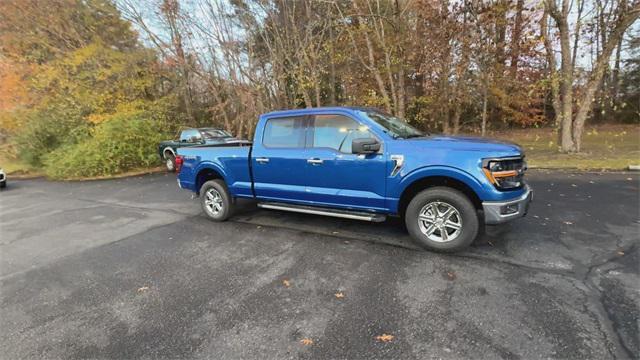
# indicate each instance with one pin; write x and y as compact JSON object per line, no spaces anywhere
{"x":437,"y":171}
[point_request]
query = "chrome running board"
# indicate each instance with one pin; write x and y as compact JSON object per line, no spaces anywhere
{"x":345,"y":214}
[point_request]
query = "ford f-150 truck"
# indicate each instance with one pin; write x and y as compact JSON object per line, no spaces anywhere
{"x":360,"y":163}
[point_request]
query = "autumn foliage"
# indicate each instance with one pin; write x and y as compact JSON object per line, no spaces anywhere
{"x":76,"y":73}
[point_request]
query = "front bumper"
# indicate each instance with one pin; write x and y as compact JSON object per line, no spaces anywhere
{"x":498,"y":212}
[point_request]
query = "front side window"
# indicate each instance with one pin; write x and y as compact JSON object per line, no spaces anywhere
{"x":337,"y":132}
{"x":284,"y":133}
{"x":395,"y":127}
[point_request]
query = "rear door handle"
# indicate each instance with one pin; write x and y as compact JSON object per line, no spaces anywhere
{"x":315,"y":161}
{"x":262,"y":160}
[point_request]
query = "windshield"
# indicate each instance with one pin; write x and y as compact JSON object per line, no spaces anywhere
{"x":214,"y":133}
{"x":396,"y":127}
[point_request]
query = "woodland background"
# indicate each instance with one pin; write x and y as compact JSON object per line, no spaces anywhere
{"x":89,"y":87}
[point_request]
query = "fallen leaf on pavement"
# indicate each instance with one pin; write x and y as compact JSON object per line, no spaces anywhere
{"x":286,"y":283}
{"x":451,"y":275}
{"x":339,"y":295}
{"x":306,"y":341}
{"x":385,"y":337}
{"x":143,"y":289}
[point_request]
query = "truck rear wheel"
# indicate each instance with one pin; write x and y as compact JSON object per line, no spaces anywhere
{"x":170,"y":162}
{"x":442,"y":219}
{"x":216,"y":200}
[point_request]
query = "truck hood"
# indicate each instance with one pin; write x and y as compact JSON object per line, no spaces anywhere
{"x":465,"y":143}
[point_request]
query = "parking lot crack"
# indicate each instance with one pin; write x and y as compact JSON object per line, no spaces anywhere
{"x":610,"y":322}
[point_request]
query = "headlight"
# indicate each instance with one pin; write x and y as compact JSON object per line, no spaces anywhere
{"x":505,"y":174}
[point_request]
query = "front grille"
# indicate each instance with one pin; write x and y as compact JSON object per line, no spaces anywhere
{"x":518,"y":165}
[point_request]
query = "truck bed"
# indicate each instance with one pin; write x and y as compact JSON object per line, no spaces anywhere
{"x":230,"y":160}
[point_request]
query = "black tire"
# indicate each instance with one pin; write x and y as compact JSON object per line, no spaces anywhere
{"x":3,"y":185}
{"x":465,"y":217}
{"x":226,"y":203}
{"x":170,"y":162}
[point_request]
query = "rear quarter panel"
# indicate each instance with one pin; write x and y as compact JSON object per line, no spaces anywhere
{"x":231,"y":163}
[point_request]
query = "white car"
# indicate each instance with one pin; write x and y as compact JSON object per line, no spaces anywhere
{"x":3,"y":179}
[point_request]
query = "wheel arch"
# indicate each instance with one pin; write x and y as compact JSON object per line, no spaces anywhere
{"x":205,"y":174}
{"x":168,"y":150}
{"x":426,"y":182}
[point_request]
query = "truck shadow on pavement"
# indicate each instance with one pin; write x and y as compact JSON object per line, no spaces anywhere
{"x":391,"y":232}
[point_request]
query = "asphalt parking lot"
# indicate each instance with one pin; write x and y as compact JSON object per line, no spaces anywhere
{"x":129,"y":268}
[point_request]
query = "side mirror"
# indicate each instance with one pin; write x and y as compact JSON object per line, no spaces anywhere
{"x":365,"y":146}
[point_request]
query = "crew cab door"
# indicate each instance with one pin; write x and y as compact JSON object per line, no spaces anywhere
{"x":335,"y":176}
{"x":279,"y":159}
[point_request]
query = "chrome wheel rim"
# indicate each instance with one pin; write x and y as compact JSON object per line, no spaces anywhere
{"x":440,"y":221}
{"x":213,"y":202}
{"x":169,"y":164}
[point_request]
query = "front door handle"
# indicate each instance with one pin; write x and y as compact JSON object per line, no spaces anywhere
{"x":315,"y":161}
{"x":262,"y":160}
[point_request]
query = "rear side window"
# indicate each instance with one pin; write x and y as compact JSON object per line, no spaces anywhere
{"x":190,"y":136}
{"x":284,"y":133}
{"x":337,"y":132}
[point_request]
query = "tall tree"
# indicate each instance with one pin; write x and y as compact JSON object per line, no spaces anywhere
{"x":623,"y":15}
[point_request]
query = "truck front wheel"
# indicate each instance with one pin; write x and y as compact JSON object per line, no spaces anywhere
{"x":442,"y":219}
{"x":216,"y":200}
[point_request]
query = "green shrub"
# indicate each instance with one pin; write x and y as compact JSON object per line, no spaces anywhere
{"x":48,"y":128}
{"x":120,"y":143}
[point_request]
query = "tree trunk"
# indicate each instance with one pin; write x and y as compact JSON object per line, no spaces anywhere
{"x":615,"y":88}
{"x":401,"y":93}
{"x":307,"y":98}
{"x":515,"y":39}
{"x":332,"y":72}
{"x":596,"y":75}
{"x":373,"y":67}
{"x":576,"y":33}
{"x":566,"y":75}
{"x":553,"y":75}
{"x":377,"y":75}
{"x":456,"y":120}
{"x":171,"y":11}
{"x":485,"y":100}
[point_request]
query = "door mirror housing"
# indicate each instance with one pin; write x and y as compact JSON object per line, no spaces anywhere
{"x":365,"y":146}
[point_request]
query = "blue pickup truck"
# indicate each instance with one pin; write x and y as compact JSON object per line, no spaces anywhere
{"x":360,"y":163}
